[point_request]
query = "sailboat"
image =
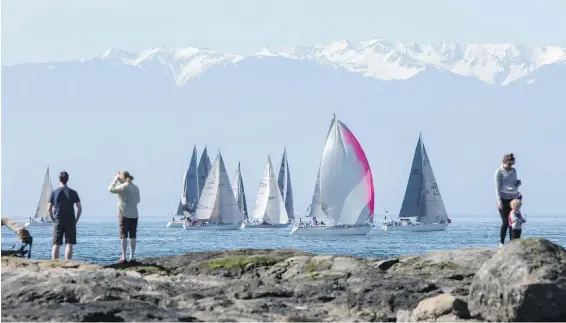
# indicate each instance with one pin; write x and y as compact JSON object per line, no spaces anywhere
{"x":239,"y":193}
{"x":41,"y":217}
{"x":344,"y":194}
{"x":217,"y":208}
{"x":284,"y":183}
{"x":269,"y":208}
{"x":203,"y":169}
{"x":189,"y":193}
{"x":422,"y":198}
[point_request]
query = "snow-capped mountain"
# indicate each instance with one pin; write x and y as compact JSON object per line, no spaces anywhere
{"x":499,"y":64}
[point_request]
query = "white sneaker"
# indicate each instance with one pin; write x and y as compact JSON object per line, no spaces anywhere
{"x":500,"y":245}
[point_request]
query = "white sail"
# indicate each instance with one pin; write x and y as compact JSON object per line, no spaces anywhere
{"x":239,"y":193}
{"x":46,"y":189}
{"x":346,"y":183}
{"x":269,"y":206}
{"x":203,"y":169}
{"x":217,"y":202}
{"x":284,"y":183}
{"x":422,"y":197}
{"x":315,"y":209}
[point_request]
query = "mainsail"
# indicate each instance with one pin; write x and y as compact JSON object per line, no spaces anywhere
{"x":46,"y":189}
{"x":239,"y":193}
{"x":315,"y":208}
{"x":203,"y":169}
{"x":180,"y":209}
{"x":412,"y":198}
{"x":284,"y":183}
{"x":345,"y":181}
{"x":190,"y":194}
{"x":422,"y":197}
{"x":217,"y":202}
{"x":269,"y":206}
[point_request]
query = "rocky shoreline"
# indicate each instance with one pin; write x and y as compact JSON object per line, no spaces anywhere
{"x":523,"y":281}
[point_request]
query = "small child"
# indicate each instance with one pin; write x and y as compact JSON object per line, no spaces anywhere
{"x":516,"y":219}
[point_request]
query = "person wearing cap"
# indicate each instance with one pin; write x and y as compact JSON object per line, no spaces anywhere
{"x":128,"y":199}
{"x":61,"y":209}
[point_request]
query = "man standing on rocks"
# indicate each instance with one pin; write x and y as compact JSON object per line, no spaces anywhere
{"x":128,"y":199}
{"x":63,"y":200}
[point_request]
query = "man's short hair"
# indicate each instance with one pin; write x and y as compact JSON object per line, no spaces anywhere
{"x":63,"y":177}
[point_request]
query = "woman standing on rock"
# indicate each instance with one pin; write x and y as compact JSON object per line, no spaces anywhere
{"x":506,"y":189}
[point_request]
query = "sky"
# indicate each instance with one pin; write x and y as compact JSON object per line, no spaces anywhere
{"x":56,"y":30}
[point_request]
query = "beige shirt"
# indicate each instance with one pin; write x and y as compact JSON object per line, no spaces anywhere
{"x":128,"y":198}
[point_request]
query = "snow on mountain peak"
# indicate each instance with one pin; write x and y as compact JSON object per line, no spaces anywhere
{"x":378,"y":58}
{"x":183,"y":63}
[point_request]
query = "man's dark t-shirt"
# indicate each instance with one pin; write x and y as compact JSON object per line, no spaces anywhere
{"x":63,"y":200}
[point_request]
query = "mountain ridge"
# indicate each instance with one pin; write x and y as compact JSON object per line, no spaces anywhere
{"x":496,"y":64}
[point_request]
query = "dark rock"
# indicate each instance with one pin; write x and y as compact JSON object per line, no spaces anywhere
{"x":386,"y":264}
{"x":524,"y":281}
{"x":239,"y":285}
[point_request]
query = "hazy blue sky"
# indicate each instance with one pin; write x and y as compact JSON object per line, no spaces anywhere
{"x":66,"y":29}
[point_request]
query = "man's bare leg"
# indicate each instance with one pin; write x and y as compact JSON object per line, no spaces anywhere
{"x":55,"y":252}
{"x":68,"y":251}
{"x":124,"y":247}
{"x":132,"y":248}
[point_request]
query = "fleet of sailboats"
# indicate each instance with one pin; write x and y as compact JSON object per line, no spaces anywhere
{"x":41,"y":217}
{"x":422,"y":198}
{"x":342,"y":200}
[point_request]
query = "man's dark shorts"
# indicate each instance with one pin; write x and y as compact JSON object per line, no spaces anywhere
{"x":67,"y":228}
{"x":128,"y":227}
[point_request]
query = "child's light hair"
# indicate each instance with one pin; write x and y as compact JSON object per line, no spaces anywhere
{"x":515,"y":204}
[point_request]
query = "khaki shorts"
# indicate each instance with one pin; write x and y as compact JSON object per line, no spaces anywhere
{"x":128,"y":227}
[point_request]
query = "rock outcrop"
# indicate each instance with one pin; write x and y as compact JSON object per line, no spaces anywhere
{"x":263,"y":285}
{"x":525,"y":282}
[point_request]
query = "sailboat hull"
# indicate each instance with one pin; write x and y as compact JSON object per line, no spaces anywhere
{"x":38,"y":224}
{"x":419,"y":227}
{"x":235,"y":226}
{"x":176,"y":224}
{"x":331,"y":231}
{"x":266,"y":226}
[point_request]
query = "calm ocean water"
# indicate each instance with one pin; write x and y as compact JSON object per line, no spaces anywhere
{"x":99,"y":242}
